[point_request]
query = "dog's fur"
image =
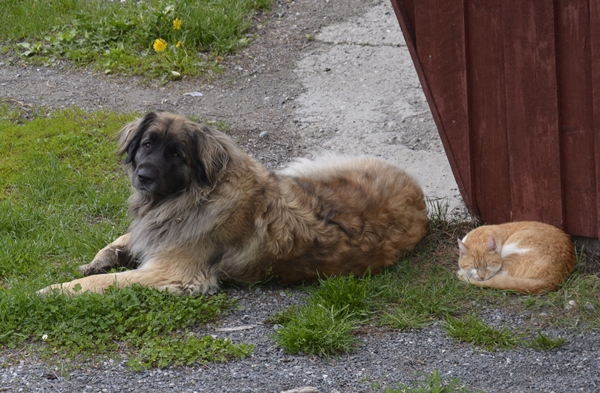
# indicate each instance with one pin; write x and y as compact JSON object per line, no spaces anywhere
{"x":204,"y":211}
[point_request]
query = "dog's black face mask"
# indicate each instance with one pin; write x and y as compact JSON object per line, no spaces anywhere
{"x":160,"y":166}
{"x":159,"y":158}
{"x":167,"y":154}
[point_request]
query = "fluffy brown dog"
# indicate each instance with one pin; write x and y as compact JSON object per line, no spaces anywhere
{"x":204,"y":211}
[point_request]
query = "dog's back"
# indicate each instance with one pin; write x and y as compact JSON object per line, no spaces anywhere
{"x":346,"y":215}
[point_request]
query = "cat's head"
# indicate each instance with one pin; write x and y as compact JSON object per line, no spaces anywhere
{"x":479,"y":261}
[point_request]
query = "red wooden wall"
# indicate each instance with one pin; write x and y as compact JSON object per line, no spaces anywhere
{"x":514,"y":88}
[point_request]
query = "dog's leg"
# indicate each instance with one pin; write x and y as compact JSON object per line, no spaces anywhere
{"x":208,"y":285}
{"x":116,"y":254}
{"x":99,"y":282}
{"x":179,"y":276}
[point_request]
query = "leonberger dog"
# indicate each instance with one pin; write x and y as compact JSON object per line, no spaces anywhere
{"x":203,"y":212}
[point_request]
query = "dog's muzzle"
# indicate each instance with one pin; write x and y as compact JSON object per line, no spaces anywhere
{"x":145,"y":179}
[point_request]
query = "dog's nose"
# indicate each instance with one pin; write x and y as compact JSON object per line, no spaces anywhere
{"x":145,"y":176}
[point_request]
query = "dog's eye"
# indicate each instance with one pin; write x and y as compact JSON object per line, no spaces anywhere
{"x":175,"y":155}
{"x":147,"y":145}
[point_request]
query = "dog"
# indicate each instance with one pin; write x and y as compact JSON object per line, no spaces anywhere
{"x":203,"y":212}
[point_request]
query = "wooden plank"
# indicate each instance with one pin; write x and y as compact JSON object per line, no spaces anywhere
{"x":440,"y":49}
{"x":594,"y":7}
{"x":405,"y":13}
{"x":409,"y":6}
{"x":487,"y":110}
{"x":532,"y":111}
{"x":576,"y":117}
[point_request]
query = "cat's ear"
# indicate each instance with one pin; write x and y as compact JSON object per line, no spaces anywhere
{"x":491,"y":244}
{"x":462,"y":249}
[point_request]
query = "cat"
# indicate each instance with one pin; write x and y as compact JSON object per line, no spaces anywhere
{"x":520,"y":256}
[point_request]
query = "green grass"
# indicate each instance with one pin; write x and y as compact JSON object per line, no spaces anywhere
{"x":119,"y":37}
{"x":141,"y":322}
{"x":476,"y":331}
{"x":432,"y":384}
{"x":62,"y":193}
{"x":63,"y":197}
{"x":184,"y":350}
{"x":324,"y":325}
{"x":544,"y":343}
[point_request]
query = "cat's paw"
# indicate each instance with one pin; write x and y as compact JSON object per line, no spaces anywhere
{"x":465,"y":276}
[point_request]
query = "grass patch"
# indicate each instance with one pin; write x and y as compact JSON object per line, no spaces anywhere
{"x":63,"y":196}
{"x":415,"y":298}
{"x":155,"y":38}
{"x":475,"y":331}
{"x":324,"y":325}
{"x":184,"y":350}
{"x":576,"y":305}
{"x":142,"y":322}
{"x":432,"y":384}
{"x":544,"y":343}
{"x":62,"y":193}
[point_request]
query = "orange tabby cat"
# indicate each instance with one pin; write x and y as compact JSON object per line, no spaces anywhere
{"x":520,"y":256}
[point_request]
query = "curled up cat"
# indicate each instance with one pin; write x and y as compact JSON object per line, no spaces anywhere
{"x":520,"y":256}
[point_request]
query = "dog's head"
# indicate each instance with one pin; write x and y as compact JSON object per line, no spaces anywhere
{"x":167,"y":154}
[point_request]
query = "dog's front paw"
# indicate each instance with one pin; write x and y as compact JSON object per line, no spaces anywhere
{"x":66,"y":288}
{"x":50,"y":289}
{"x":97,"y":266}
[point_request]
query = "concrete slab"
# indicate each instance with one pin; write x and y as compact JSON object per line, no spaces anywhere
{"x":362,"y":91}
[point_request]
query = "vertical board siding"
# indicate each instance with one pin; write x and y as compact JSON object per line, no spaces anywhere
{"x":594,"y":7}
{"x":576,"y":115}
{"x":487,"y":108}
{"x":514,"y":87}
{"x":440,"y":36}
{"x":532,"y":110}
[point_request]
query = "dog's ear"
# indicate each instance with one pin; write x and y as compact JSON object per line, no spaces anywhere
{"x":210,"y":153}
{"x":131,"y":135}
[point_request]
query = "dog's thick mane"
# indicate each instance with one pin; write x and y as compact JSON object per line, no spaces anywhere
{"x":190,"y":214}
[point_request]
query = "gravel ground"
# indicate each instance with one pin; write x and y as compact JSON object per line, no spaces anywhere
{"x":383,"y":358}
{"x":268,"y":95}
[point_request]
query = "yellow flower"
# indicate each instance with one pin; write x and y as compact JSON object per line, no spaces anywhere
{"x":178,"y":45}
{"x":177,"y":24}
{"x":159,"y":45}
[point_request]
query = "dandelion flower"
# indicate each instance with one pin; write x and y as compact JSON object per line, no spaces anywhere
{"x":177,"y":24}
{"x":178,"y":45}
{"x":159,"y":45}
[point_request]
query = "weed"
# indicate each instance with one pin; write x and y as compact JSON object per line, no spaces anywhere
{"x":432,"y":384}
{"x":187,"y":350}
{"x":415,"y":300}
{"x":349,"y":293}
{"x":475,"y":331}
{"x":437,"y":210}
{"x":324,"y":325}
{"x":318,"y":330}
{"x":544,"y":343}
